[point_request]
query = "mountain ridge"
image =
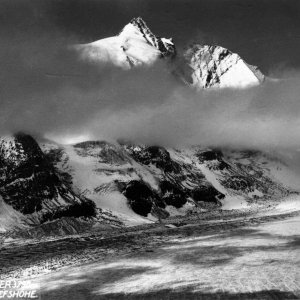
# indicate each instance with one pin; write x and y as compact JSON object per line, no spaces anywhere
{"x":124,"y":184}
{"x":200,"y":66}
{"x":119,"y":183}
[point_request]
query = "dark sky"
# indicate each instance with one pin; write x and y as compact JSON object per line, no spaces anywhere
{"x":263,"y":32}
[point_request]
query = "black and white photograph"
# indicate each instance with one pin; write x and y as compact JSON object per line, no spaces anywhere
{"x":150,"y":149}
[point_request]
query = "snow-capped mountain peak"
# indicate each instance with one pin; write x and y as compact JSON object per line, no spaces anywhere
{"x":134,"y":46}
{"x":164,"y":45}
{"x":204,"y":66}
{"x":215,"y":66}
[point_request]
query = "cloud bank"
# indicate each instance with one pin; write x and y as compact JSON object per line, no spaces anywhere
{"x":54,"y":94}
{"x":261,"y":117}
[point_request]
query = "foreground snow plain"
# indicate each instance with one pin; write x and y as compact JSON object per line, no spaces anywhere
{"x":246,"y":257}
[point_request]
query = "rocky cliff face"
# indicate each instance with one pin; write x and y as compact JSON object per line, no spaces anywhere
{"x":30,"y":184}
{"x":164,"y":45}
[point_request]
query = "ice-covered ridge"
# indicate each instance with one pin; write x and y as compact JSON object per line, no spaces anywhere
{"x":164,"y":45}
{"x":215,"y":66}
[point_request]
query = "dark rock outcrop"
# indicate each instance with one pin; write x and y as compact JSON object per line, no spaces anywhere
{"x":157,"y":156}
{"x":31,"y":185}
{"x":172,"y":194}
{"x":207,"y":194}
{"x":140,"y":197}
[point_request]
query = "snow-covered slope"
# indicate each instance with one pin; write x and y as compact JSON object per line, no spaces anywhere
{"x":9,"y":217}
{"x":95,"y":167}
{"x":217,"y":67}
{"x":138,"y":183}
{"x":115,"y":184}
{"x":135,"y":45}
